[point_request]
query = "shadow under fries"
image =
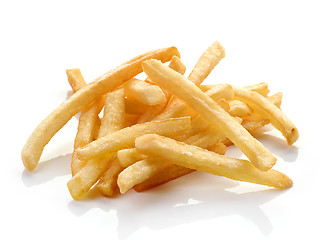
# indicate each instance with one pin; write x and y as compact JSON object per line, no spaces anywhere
{"x":192,"y":198}
{"x":48,"y":170}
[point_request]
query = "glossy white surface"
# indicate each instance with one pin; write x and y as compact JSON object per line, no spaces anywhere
{"x":285,"y":43}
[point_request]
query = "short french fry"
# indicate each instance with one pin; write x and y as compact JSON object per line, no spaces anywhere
{"x":265,"y":107}
{"x":35,"y":144}
{"x":261,"y":88}
{"x":165,"y":149}
{"x":239,"y":108}
{"x":144,"y":92}
{"x":124,"y":138}
{"x":218,"y":148}
{"x":127,"y":157}
{"x":262,"y":158}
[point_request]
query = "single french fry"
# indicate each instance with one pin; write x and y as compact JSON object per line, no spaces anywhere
{"x":261,"y":88}
{"x":127,"y":157}
{"x":261,"y":157}
{"x":113,"y":120}
{"x":88,"y":120}
{"x":265,"y":107}
{"x":153,"y":111}
{"x":124,"y":138}
{"x":165,"y":149}
{"x":205,"y":64}
{"x":144,"y":92}
{"x":239,"y":108}
{"x":130,"y":119}
{"x":35,"y":144}
{"x":113,"y":113}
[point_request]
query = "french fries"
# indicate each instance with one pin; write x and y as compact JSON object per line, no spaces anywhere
{"x":62,"y":114}
{"x":153,"y":131}
{"x":196,"y":99}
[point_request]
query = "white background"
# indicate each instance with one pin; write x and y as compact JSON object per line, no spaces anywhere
{"x":285,"y":43}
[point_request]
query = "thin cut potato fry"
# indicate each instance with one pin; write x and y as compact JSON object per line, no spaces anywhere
{"x":261,"y":88}
{"x":88,"y":120}
{"x":166,"y":149}
{"x":127,"y":157}
{"x":113,"y":120}
{"x":144,"y":92}
{"x":124,"y":138}
{"x":239,"y":108}
{"x":75,"y":79}
{"x":35,"y":144}
{"x":262,"y":158}
{"x":205,"y":64}
{"x":270,"y":112}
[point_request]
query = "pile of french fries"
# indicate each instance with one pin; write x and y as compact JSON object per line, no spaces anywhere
{"x":140,"y":134}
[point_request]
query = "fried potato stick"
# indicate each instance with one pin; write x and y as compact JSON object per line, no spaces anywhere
{"x":144,"y":92}
{"x":265,"y":107}
{"x":261,"y":157}
{"x":165,"y":149}
{"x":35,"y":144}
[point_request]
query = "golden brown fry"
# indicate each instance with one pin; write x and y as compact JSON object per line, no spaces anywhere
{"x":124,"y":138}
{"x":262,"y":158}
{"x":239,"y":108}
{"x":165,"y":149}
{"x":144,"y":92}
{"x":261,"y":88}
{"x":218,"y":148}
{"x":130,"y":119}
{"x":127,"y":157}
{"x":265,"y":107}
{"x":75,"y":79}
{"x":35,"y":144}
{"x":134,"y":107}
{"x":205,"y":64}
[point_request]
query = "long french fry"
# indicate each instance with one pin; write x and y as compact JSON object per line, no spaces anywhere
{"x":265,"y":107}
{"x":35,"y":144}
{"x":166,"y":149}
{"x":124,"y":138}
{"x":262,"y":158}
{"x":88,"y":121}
